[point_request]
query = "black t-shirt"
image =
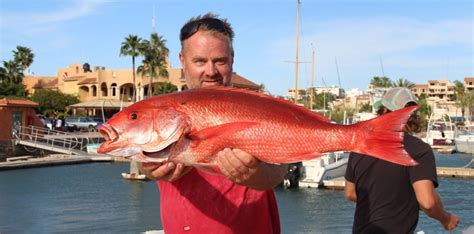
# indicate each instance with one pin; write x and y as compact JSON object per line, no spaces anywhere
{"x":386,"y":201}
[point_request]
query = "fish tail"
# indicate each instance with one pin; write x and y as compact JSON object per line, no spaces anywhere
{"x":382,"y":137}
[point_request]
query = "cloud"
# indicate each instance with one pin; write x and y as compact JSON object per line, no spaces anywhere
{"x":407,"y":47}
{"x":47,"y":19}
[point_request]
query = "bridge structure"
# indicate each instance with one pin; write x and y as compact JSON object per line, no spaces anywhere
{"x":37,"y":138}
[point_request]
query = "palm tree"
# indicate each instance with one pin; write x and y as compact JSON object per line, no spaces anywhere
{"x":154,"y":63}
{"x":23,"y":56}
{"x":381,"y":82}
{"x":164,"y":88}
{"x":376,"y":82}
{"x":131,"y":47}
{"x":462,"y":100}
{"x":386,"y":82}
{"x":403,"y":83}
{"x":11,"y":72}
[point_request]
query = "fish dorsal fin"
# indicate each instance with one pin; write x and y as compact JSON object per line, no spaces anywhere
{"x":263,"y":95}
{"x":217,"y":131}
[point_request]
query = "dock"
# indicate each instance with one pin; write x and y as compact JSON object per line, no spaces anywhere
{"x":453,"y":172}
{"x":334,"y":184}
{"x":50,"y":160}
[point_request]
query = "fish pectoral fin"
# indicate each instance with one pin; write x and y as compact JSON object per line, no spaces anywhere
{"x":218,"y":131}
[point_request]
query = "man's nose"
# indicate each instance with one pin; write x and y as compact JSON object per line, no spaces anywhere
{"x":211,"y":69}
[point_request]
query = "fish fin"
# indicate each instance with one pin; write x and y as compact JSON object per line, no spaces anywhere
{"x":383,"y":137}
{"x":216,"y":131}
{"x":318,"y":116}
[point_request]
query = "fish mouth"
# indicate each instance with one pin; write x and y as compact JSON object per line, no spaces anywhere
{"x":108,"y":132}
{"x":110,"y":135}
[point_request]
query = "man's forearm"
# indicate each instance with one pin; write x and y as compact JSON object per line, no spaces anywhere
{"x":437,"y":211}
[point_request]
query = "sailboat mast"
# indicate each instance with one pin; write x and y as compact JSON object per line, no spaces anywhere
{"x":311,"y":89}
{"x":297,"y":47}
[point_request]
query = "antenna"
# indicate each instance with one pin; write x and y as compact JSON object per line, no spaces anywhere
{"x":337,"y":70}
{"x":153,"y":21}
{"x":381,"y":65}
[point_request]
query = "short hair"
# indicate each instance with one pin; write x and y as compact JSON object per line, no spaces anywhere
{"x":209,"y":22}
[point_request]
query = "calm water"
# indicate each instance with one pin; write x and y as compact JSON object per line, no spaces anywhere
{"x":93,"y":198}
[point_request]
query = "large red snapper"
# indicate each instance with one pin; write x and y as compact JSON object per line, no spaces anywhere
{"x":192,"y":126}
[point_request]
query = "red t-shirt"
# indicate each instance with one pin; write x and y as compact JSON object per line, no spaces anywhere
{"x":200,"y":202}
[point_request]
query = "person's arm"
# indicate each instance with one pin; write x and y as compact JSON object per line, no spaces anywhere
{"x":431,"y":204}
{"x":244,"y":169}
{"x":350,"y":191}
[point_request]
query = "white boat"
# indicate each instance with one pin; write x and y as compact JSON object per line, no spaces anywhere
{"x":465,"y":140}
{"x":313,"y":172}
{"x":440,"y":132}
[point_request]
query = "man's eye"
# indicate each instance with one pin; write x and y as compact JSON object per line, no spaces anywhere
{"x":200,"y":63}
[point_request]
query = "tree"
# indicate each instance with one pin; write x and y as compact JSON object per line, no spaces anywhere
{"x":12,"y":90}
{"x":381,"y":82}
{"x":154,"y":63}
{"x":262,"y":88}
{"x":131,"y":47}
{"x":53,"y":101}
{"x":11,"y":81}
{"x":11,"y":72}
{"x":403,"y":83}
{"x":23,"y":56}
{"x":366,"y":107}
{"x":462,"y":100}
{"x":164,"y":88}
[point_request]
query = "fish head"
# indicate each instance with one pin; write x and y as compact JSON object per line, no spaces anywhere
{"x":142,"y":129}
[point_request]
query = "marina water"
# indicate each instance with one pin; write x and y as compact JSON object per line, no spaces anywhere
{"x":93,"y":198}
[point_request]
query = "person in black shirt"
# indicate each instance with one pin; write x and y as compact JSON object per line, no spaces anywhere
{"x":389,"y":196}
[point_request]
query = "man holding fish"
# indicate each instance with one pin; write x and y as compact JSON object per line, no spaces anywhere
{"x":241,"y":201}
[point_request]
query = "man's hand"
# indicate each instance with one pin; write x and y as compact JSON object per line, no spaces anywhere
{"x":167,"y":171}
{"x":242,"y":168}
{"x":451,"y":223}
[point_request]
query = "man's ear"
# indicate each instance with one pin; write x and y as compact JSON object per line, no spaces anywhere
{"x":181,"y":59}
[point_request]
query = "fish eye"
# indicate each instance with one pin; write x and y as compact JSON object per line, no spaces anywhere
{"x":133,"y":116}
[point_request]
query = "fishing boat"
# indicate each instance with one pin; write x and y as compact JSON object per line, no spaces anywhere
{"x":312,"y":173}
{"x":465,"y":139}
{"x":440,"y":132}
{"x":330,"y":166}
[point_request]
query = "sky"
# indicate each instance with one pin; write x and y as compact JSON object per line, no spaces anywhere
{"x":353,"y":41}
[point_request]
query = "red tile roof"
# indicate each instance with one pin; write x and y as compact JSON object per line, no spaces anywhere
{"x":420,"y":86}
{"x":88,"y":81}
{"x":51,"y":84}
{"x":469,"y":79}
{"x":239,"y":81}
{"x":17,"y":102}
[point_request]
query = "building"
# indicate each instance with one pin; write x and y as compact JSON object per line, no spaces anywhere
{"x":469,"y":83}
{"x":435,"y":89}
{"x":15,"y":113}
{"x":420,"y":89}
{"x":304,"y":93}
{"x":117,"y":84}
